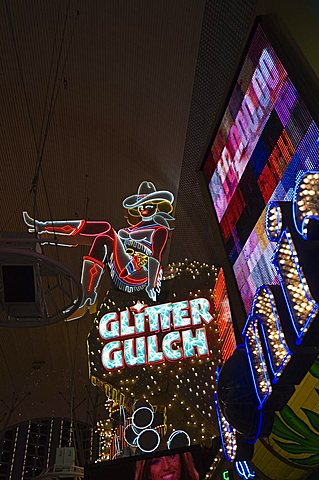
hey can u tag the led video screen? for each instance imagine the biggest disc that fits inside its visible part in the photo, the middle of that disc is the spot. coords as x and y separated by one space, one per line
181 464
267 136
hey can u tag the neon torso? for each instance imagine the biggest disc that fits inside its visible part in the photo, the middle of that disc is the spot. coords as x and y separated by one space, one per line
132 248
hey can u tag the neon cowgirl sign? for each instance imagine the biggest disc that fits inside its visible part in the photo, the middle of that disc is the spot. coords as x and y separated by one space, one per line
179 326
133 254
281 333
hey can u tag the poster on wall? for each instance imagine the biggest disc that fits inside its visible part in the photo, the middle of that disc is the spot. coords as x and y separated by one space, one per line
267 137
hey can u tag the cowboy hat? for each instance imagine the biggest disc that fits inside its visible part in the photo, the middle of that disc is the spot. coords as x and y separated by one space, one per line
147 193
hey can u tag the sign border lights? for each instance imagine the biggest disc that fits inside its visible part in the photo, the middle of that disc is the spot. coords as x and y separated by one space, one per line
181 326
301 306
270 344
264 323
256 157
299 293
273 221
227 433
304 200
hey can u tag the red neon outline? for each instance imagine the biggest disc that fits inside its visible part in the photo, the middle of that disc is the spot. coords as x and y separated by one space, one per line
79 228
66 229
117 349
93 260
78 231
161 228
195 346
180 350
189 318
119 268
137 310
93 272
116 319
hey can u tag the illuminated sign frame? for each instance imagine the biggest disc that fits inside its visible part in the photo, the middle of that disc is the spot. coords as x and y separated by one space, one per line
265 337
247 249
132 336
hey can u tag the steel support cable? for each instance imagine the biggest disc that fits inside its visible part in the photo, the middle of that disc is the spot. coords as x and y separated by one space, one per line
21 73
50 116
49 79
52 100
40 148
15 47
35 181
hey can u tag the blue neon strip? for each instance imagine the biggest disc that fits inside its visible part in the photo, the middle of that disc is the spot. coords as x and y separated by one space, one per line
258 429
299 329
230 430
275 370
252 368
269 207
301 228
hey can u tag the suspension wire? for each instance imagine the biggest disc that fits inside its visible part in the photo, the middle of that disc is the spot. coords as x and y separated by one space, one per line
49 120
40 170
15 47
7 222
52 103
35 180
40 148
49 77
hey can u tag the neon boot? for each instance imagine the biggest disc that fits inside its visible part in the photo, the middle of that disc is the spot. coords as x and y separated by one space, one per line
92 271
62 227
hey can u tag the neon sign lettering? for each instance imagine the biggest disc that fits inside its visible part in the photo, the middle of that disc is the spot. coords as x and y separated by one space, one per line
181 325
265 333
245 131
133 254
305 205
264 322
302 306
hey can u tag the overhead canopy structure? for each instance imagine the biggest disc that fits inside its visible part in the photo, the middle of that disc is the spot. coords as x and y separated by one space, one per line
96 98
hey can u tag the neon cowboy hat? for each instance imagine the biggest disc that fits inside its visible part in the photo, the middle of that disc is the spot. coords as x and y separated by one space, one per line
147 193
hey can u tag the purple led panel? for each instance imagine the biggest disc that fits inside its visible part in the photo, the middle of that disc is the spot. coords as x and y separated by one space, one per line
266 137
